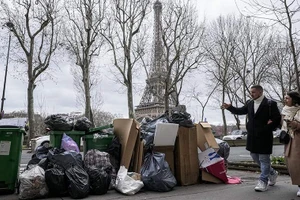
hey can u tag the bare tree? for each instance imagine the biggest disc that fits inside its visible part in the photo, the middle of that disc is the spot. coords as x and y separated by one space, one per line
220 47
281 77
102 118
124 26
203 98
239 52
83 41
95 79
251 58
34 24
182 35
283 13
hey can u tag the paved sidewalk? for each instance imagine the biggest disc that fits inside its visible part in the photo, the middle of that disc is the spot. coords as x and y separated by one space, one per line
244 191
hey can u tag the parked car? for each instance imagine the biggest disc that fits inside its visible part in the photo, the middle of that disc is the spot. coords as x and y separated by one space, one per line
236 135
39 141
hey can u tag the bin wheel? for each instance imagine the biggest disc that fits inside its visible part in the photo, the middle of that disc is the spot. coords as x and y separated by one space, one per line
18 183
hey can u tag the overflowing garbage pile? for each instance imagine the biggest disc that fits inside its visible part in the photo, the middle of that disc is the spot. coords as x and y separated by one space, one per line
58 172
124 156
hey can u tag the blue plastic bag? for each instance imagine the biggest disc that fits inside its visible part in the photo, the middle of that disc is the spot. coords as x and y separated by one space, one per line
67 143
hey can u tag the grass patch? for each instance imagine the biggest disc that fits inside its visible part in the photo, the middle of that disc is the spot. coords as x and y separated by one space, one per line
277 160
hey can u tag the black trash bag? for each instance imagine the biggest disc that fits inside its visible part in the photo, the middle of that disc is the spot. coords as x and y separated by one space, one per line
56 182
156 173
148 129
59 122
41 152
182 118
43 163
65 159
33 162
99 180
224 151
82 124
144 120
78 182
76 155
224 148
114 151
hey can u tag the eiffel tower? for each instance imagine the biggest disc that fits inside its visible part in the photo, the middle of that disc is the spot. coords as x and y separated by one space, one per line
152 101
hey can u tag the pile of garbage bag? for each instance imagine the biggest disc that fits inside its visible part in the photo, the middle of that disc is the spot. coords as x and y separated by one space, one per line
59 122
55 172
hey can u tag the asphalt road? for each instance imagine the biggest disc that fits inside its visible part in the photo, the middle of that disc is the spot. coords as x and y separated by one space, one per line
238 154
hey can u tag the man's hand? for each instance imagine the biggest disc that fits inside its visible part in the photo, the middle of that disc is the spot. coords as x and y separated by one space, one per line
225 106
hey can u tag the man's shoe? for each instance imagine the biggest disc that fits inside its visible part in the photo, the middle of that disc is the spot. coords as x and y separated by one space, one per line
272 179
261 186
298 193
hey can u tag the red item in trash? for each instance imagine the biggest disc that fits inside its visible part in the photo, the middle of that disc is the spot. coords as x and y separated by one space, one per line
218 170
234 180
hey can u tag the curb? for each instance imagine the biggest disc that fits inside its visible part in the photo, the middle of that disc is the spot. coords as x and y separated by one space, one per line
239 142
248 166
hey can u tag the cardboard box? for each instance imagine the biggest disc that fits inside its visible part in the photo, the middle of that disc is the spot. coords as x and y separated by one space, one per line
208 157
164 141
127 131
186 156
205 137
205 176
138 155
169 155
165 134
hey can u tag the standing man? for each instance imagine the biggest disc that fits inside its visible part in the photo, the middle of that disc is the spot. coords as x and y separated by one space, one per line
263 118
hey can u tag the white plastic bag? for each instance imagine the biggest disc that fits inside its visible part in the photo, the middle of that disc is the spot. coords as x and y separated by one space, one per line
33 184
127 185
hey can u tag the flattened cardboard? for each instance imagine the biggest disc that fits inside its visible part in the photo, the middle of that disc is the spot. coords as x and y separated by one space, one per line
205 176
208 157
186 157
138 155
205 137
169 155
127 131
165 134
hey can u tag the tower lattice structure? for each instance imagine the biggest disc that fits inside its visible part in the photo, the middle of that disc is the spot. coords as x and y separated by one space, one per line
152 101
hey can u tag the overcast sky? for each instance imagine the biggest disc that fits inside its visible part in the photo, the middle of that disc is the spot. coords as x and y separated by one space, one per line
59 96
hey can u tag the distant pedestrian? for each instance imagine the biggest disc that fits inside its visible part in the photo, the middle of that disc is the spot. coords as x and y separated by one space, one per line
291 124
263 118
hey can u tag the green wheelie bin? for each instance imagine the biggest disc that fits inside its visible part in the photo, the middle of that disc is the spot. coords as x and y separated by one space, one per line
99 141
11 141
56 137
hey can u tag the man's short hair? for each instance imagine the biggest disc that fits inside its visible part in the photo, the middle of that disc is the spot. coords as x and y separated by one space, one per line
258 87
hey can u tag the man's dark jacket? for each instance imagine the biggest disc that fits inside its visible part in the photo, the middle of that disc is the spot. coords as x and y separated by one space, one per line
260 133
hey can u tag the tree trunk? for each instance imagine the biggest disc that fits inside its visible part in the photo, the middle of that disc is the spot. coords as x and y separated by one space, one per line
166 97
223 113
130 102
86 83
30 110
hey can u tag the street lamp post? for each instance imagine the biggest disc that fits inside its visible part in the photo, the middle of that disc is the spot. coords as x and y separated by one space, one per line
10 26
